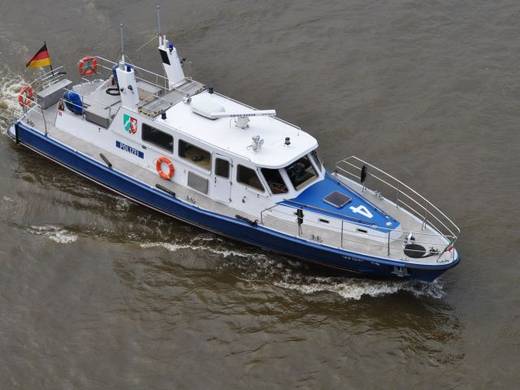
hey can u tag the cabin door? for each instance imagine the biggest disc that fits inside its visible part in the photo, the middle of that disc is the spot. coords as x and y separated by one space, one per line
222 180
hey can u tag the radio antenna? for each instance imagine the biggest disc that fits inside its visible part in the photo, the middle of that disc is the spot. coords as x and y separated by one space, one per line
158 11
158 33
121 26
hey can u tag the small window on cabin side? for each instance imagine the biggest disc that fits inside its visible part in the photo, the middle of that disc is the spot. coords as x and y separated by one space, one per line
249 177
274 181
222 168
157 137
317 161
195 155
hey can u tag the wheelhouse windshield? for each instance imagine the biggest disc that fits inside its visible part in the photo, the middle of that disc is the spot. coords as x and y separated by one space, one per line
301 172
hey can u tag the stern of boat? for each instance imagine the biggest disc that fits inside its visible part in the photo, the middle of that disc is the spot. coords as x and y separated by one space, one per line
11 132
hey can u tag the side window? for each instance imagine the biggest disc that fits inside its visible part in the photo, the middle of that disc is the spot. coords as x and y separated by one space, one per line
157 137
249 177
222 168
275 181
195 155
317 162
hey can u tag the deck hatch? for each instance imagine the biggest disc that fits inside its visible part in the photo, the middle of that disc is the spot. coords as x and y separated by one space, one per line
337 199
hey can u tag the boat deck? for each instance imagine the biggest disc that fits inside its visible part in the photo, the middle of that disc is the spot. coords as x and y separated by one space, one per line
273 218
160 103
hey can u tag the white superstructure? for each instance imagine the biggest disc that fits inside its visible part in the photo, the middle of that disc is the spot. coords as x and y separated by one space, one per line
224 135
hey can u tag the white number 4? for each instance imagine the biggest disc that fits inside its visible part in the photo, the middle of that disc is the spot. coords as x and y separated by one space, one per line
361 210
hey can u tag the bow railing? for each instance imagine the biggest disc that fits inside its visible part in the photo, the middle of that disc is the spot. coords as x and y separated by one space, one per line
400 194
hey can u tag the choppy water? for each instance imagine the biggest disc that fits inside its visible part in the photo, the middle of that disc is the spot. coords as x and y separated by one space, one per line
96 292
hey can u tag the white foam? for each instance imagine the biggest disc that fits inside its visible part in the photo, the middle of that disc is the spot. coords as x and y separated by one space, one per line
355 289
174 247
122 204
54 233
9 87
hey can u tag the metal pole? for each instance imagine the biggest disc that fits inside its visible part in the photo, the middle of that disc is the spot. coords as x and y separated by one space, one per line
52 69
388 241
342 233
426 212
44 121
121 26
158 10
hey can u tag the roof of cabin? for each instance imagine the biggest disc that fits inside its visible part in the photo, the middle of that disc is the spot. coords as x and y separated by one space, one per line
223 134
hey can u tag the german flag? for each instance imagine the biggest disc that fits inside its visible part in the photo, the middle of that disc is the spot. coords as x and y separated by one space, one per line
40 59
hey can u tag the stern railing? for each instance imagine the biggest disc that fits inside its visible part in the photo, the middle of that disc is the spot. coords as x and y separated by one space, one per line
48 78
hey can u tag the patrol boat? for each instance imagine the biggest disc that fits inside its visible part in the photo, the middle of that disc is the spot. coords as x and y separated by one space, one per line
181 148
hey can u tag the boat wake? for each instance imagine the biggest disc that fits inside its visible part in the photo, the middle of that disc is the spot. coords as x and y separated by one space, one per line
54 233
355 289
10 85
201 244
258 268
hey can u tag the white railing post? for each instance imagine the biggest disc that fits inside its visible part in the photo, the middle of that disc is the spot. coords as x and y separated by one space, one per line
388 243
341 238
44 120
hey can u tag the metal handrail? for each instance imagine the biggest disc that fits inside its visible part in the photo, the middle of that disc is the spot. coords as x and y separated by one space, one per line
35 107
384 229
146 71
47 78
387 179
421 237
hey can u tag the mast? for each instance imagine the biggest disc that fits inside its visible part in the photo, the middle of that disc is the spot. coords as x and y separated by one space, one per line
170 57
121 27
126 79
158 18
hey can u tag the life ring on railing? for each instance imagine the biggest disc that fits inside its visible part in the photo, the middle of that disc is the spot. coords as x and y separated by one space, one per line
161 161
87 66
25 96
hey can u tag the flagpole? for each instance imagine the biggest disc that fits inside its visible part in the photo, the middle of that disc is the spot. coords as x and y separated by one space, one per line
52 69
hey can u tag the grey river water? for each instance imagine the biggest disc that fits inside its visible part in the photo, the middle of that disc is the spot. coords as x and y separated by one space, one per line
99 293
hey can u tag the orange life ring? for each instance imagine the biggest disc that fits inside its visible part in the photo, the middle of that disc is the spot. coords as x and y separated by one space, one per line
25 96
87 66
159 168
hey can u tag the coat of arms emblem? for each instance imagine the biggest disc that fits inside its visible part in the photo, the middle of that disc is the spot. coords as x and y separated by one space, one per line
130 124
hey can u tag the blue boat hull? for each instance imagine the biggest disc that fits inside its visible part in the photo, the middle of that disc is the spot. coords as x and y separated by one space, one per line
240 230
